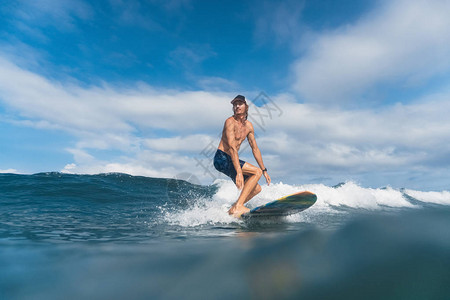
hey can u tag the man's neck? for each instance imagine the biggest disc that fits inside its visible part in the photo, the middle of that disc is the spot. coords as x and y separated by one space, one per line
240 118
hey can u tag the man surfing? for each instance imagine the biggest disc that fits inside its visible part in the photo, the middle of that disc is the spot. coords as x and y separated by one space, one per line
226 160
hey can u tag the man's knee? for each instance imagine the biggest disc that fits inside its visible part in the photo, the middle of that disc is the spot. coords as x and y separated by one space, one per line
258 172
252 170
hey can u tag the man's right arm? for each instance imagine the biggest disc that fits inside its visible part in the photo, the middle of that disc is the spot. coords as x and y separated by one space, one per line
231 141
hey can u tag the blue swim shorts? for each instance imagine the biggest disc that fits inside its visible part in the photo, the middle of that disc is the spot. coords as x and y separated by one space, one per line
224 164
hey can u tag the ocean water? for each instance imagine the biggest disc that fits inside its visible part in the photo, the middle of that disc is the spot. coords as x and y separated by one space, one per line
116 236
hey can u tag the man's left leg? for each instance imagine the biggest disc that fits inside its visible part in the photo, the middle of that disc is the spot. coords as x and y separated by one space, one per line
250 189
255 192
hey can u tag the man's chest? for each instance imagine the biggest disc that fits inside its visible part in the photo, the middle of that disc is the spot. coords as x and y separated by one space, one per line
240 132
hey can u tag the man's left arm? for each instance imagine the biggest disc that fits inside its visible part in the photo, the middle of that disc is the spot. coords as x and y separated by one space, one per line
257 153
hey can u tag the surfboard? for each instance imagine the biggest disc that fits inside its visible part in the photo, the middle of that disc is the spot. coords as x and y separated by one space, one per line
283 207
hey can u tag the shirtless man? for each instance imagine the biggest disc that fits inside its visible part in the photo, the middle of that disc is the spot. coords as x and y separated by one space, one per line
226 159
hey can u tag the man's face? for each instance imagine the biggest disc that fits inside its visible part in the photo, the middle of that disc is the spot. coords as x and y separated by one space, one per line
239 107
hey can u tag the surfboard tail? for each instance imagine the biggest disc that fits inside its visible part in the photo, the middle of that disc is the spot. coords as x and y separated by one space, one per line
284 206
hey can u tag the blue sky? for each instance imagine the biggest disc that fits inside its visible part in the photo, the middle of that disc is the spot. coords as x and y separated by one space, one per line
358 89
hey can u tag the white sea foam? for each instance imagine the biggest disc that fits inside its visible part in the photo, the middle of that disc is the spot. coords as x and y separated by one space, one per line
205 211
330 200
430 197
352 195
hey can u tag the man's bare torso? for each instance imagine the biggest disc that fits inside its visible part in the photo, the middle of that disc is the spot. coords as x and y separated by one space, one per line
240 130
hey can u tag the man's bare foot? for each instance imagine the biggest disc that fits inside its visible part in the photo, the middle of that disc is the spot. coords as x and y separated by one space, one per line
238 211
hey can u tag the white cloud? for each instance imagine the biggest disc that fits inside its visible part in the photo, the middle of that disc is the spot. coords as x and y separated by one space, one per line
191 56
104 109
145 162
80 156
131 13
161 133
310 141
13 171
402 43
217 84
128 121
60 14
189 143
277 21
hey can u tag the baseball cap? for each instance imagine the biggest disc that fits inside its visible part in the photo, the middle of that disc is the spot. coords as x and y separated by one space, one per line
239 98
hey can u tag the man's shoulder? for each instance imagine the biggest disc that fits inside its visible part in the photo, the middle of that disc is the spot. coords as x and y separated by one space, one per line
229 121
249 125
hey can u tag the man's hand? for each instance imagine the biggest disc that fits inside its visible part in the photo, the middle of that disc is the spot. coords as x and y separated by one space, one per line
239 181
267 177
